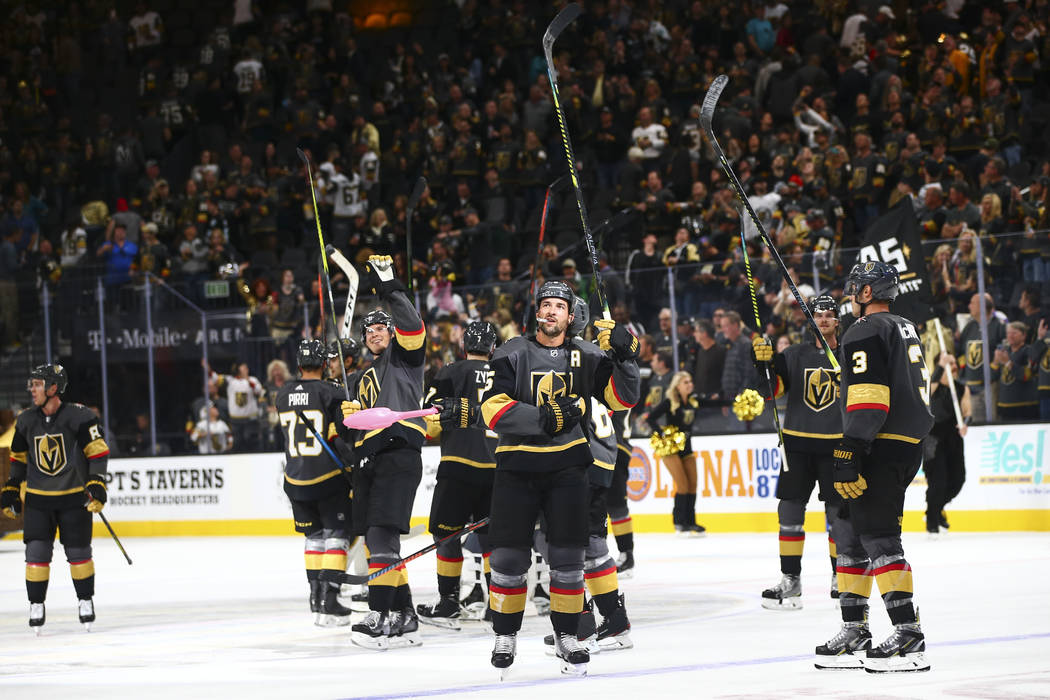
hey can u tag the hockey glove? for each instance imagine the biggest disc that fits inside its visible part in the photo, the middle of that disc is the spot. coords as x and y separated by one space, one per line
349 408
560 414
96 491
612 336
846 468
761 351
381 275
10 499
457 413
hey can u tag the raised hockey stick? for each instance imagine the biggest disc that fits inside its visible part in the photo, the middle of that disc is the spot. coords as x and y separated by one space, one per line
324 264
382 417
356 579
758 329
707 111
539 249
556 27
410 209
353 280
959 422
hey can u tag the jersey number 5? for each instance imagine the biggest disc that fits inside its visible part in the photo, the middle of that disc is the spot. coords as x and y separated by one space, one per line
310 447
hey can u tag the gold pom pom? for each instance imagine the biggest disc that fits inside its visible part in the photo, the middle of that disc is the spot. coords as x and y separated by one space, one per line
667 441
748 405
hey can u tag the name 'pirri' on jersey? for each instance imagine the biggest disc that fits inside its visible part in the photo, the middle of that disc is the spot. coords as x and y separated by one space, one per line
468 454
309 472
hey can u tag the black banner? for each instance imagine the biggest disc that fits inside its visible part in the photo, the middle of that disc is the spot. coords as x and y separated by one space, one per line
894 238
176 336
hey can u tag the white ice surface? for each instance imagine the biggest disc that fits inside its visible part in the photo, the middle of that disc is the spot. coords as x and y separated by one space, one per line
228 618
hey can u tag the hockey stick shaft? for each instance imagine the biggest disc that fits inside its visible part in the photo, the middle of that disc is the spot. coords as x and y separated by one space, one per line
327 448
114 536
355 579
758 329
410 209
557 25
351 293
707 111
324 264
959 422
539 251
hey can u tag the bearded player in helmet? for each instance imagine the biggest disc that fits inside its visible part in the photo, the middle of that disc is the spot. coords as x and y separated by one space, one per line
875 460
812 427
59 454
535 408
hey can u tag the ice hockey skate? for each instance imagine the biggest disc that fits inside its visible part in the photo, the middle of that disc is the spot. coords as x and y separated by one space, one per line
572 655
904 651
404 629
586 632
473 606
846 649
834 586
614 632
373 632
786 595
86 610
625 565
444 613
503 653
37 617
332 612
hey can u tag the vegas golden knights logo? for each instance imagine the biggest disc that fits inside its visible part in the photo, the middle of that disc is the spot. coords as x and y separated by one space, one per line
241 399
368 388
1006 376
548 385
50 453
821 389
974 354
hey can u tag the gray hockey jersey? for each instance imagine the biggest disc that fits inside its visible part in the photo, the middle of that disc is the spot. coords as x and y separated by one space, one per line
813 421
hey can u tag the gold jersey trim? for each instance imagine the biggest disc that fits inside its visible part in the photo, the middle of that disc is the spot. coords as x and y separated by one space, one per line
868 393
96 448
468 462
311 482
604 465
373 433
536 448
818 436
895 436
44 492
19 457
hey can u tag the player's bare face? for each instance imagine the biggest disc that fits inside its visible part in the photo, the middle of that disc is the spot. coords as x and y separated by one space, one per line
38 392
552 317
826 322
377 338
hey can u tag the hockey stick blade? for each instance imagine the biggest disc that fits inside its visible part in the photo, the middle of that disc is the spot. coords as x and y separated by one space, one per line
707 109
353 280
417 193
340 577
302 155
559 23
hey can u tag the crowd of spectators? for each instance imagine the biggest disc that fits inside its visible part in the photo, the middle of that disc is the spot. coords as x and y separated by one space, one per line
162 138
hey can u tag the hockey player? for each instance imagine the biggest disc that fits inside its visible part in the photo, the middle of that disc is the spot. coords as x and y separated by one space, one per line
542 460
616 497
391 464
599 569
351 352
318 491
59 453
812 426
463 492
876 459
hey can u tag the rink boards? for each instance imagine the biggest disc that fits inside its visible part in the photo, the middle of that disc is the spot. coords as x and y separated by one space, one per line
1008 470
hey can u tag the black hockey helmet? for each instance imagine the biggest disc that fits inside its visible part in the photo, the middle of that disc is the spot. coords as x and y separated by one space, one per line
824 302
311 354
480 338
557 290
376 316
883 279
581 316
350 348
50 374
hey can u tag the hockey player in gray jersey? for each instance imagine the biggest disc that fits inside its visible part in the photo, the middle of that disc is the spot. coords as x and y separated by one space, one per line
542 461
885 393
59 454
391 464
812 427
318 491
463 492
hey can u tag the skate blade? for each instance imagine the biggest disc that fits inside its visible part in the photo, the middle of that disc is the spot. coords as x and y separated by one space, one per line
38 631
324 620
909 663
591 645
368 642
570 669
623 575
408 639
842 662
474 611
447 623
503 674
616 642
792 603
87 626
